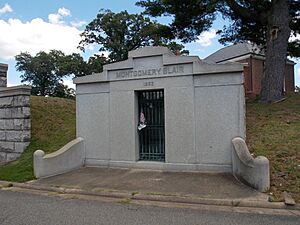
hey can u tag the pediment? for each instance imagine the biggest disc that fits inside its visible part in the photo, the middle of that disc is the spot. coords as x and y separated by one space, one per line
155 62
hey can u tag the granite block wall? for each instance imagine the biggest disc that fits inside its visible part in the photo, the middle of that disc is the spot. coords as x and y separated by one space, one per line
3 74
15 122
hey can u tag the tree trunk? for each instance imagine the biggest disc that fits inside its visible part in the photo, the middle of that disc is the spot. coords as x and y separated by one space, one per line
278 33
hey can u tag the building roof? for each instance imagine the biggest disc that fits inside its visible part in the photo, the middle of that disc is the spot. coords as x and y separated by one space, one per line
143 61
234 51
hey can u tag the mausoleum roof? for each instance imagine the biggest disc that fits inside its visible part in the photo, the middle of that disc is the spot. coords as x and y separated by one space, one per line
154 62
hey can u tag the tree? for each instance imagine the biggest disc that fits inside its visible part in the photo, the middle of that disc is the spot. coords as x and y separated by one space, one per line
45 71
265 22
95 63
119 33
63 91
177 49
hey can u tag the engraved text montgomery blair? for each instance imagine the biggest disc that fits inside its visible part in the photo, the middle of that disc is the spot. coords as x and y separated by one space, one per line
150 72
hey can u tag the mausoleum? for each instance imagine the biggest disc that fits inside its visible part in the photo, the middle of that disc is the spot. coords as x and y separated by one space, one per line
192 110
155 110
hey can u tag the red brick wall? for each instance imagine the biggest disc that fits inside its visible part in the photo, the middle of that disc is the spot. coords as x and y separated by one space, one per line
257 73
253 75
247 76
289 78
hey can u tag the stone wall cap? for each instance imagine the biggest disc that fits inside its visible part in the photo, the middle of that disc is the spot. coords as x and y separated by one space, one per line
15 90
93 78
3 69
3 65
149 51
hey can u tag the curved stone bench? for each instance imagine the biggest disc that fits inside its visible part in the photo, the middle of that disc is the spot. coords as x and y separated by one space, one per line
254 172
69 157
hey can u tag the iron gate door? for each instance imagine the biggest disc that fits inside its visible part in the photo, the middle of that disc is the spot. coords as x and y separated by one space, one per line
152 137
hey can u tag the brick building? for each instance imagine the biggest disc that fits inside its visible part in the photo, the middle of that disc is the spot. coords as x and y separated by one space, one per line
253 58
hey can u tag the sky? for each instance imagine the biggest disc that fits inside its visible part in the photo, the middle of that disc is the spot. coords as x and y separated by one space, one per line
42 25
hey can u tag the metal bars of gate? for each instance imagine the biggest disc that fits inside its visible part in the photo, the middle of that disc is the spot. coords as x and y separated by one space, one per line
152 137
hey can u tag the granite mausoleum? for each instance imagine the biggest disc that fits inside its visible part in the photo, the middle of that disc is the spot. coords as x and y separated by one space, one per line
15 123
156 110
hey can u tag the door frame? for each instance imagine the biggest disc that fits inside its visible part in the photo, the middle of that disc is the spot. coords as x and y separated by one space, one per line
156 132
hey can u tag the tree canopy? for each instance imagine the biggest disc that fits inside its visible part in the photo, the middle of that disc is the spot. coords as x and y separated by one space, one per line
119 33
268 23
45 71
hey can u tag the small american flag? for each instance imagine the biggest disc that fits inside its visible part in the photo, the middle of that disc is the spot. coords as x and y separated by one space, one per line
142 117
142 122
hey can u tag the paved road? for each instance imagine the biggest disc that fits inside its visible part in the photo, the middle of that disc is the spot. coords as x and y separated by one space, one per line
18 208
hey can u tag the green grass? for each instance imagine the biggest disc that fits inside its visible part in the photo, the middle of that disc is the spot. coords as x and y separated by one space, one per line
273 130
53 125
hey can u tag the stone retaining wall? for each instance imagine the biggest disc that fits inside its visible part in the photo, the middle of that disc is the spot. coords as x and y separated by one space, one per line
3 74
15 122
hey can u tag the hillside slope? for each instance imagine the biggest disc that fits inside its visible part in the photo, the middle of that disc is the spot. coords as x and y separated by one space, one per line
53 125
273 130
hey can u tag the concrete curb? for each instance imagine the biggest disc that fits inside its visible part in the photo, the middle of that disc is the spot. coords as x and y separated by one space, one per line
157 198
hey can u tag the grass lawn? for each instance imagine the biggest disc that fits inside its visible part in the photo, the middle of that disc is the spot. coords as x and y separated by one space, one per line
273 130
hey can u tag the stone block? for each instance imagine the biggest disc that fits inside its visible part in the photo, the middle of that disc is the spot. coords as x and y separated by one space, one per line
2 124
5 113
16 112
26 135
6 124
18 124
21 146
2 135
7 146
21 100
9 124
12 156
3 81
6 101
20 112
14 135
15 124
26 112
3 157
26 124
2 113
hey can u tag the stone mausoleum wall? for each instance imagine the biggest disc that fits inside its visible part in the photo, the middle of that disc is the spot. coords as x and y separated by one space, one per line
15 121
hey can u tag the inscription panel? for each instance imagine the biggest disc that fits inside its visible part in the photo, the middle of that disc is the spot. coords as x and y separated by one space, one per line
148 84
151 72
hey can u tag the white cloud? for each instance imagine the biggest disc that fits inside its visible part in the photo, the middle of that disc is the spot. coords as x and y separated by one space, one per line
64 12
5 9
36 35
205 39
69 83
78 23
56 18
